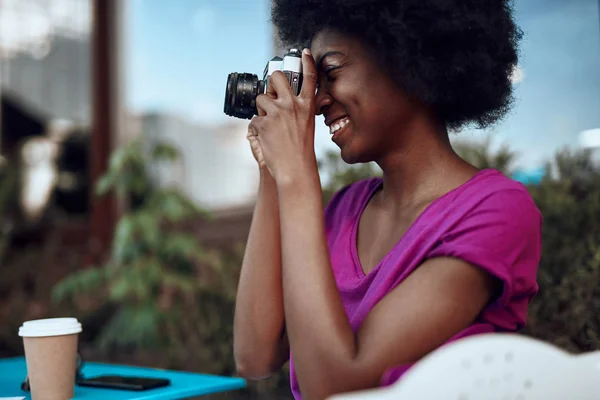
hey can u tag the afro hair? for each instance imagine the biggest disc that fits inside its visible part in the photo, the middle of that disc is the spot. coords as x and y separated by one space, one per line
455 56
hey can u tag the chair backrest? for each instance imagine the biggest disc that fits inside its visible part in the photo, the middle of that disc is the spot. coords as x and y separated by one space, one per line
495 367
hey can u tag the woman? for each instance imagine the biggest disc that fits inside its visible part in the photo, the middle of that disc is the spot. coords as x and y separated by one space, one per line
394 267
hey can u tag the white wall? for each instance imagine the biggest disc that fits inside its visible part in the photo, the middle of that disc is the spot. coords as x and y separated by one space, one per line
218 169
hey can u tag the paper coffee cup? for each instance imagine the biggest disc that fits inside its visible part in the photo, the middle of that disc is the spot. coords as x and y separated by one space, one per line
51 356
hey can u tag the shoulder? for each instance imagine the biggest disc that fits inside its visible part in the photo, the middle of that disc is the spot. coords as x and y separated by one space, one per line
492 216
492 222
492 190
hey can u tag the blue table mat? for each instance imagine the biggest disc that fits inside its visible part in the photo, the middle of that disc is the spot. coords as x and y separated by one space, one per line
183 384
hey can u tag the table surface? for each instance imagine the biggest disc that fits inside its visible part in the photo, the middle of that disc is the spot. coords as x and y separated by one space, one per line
183 384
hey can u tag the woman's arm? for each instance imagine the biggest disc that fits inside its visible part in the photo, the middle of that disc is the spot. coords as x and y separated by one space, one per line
442 297
260 343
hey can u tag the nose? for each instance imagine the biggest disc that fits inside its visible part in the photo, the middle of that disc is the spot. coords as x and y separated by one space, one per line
322 101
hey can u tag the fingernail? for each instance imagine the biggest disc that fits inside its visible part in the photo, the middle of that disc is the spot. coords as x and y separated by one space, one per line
306 51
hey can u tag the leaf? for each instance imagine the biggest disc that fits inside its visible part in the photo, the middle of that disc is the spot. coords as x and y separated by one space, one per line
84 281
211 259
174 205
105 184
179 244
123 239
132 326
480 155
166 152
341 174
126 173
119 157
138 184
153 271
135 234
180 282
120 289
148 226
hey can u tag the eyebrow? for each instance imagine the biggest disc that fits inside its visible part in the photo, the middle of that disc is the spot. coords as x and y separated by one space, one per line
328 54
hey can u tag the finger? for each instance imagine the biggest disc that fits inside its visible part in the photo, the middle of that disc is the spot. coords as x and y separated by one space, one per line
252 131
279 86
309 76
256 127
254 143
252 128
265 104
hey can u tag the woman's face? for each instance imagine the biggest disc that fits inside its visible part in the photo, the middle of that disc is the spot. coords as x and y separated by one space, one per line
367 113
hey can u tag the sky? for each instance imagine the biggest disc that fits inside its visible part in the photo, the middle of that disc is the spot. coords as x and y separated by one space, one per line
180 52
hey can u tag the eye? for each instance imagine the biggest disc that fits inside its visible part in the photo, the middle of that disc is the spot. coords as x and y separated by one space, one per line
329 71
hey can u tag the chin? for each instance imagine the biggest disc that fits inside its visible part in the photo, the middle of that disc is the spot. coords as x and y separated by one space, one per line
355 150
353 157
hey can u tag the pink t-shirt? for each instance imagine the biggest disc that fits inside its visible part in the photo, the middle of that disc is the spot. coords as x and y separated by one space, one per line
490 221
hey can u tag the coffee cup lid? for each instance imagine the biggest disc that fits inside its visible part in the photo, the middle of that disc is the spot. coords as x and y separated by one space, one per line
50 327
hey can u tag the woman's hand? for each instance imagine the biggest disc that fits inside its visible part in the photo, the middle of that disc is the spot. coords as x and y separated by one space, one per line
256 150
283 133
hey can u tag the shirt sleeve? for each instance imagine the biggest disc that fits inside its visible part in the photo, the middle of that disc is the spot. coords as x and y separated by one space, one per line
501 234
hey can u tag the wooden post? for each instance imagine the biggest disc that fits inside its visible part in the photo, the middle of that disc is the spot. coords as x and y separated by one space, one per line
104 116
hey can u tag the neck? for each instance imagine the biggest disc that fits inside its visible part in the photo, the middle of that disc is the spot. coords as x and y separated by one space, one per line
422 168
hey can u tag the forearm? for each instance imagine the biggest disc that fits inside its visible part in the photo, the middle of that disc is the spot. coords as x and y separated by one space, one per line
322 342
259 319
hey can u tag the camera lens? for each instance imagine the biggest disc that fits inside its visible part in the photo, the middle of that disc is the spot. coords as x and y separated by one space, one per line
240 95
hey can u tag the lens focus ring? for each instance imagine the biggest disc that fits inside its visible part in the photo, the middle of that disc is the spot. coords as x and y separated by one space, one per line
240 96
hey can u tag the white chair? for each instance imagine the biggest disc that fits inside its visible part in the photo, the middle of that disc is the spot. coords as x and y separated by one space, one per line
495 367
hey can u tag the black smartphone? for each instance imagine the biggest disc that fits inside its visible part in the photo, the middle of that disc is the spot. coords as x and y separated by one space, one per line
136 383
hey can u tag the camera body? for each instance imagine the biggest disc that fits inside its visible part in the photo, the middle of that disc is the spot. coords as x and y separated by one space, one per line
243 88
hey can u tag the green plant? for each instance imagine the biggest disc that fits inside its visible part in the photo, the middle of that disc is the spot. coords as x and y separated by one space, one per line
340 174
480 154
566 310
155 270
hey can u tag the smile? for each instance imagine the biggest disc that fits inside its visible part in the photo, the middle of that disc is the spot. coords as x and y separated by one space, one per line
333 128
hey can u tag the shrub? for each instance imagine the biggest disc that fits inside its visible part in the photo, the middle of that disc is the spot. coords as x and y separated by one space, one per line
155 271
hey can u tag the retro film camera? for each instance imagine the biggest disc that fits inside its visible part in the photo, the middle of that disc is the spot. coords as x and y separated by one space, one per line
242 88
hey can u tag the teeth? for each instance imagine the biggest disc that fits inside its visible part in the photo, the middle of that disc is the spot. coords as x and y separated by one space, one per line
338 125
